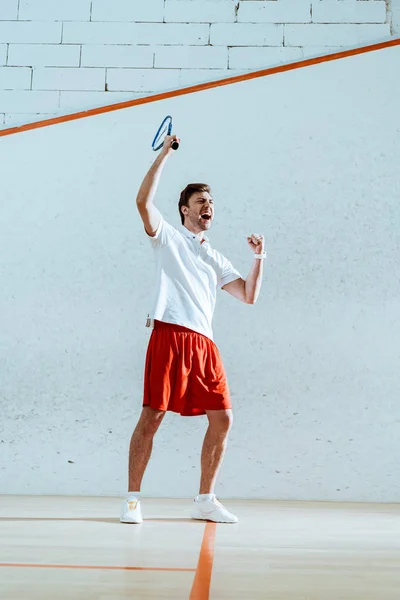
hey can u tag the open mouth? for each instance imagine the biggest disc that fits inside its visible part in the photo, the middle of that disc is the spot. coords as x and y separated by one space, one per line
206 217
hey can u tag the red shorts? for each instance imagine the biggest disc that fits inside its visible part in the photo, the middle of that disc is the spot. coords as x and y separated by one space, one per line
184 372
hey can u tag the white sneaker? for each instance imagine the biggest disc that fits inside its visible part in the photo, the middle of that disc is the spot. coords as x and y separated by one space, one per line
211 510
131 512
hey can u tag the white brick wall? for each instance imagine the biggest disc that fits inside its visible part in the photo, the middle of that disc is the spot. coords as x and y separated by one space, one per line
393 16
68 79
40 55
135 33
282 11
148 11
335 35
396 21
8 10
70 55
348 11
15 78
29 102
27 32
70 100
246 34
200 11
3 54
142 80
257 58
191 57
54 10
191 77
117 56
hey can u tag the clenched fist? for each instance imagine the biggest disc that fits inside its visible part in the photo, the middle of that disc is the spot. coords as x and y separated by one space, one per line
256 243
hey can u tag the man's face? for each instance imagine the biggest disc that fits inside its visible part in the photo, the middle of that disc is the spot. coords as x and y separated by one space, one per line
200 211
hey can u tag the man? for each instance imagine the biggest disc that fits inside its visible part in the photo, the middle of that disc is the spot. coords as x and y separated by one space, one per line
184 371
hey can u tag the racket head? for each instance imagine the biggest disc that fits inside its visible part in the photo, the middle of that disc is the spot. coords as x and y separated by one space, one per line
164 129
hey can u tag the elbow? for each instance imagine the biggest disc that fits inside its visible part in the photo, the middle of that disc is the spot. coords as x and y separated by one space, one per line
252 299
142 198
141 204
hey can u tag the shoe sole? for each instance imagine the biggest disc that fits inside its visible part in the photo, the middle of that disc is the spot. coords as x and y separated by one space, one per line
131 522
212 521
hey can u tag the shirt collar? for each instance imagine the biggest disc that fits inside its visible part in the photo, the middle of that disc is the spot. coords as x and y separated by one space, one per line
190 234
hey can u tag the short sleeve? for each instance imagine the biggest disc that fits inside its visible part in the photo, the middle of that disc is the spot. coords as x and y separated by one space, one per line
164 234
228 274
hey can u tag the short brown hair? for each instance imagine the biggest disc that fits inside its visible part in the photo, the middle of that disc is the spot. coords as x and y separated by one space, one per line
187 192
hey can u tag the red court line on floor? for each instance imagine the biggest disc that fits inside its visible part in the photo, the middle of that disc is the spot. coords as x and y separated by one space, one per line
202 579
105 567
203 86
93 519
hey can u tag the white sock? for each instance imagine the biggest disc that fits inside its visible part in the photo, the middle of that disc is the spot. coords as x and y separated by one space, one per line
132 496
202 497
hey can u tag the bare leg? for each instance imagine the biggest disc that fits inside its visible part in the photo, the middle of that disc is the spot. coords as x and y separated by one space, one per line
214 446
141 445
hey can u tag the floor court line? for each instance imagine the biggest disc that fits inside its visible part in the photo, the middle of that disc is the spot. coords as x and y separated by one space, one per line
202 580
101 567
102 520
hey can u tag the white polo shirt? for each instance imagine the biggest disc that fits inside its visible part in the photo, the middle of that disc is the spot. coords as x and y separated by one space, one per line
188 274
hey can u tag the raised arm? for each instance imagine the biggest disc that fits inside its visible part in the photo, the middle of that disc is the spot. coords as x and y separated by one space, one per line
149 213
247 290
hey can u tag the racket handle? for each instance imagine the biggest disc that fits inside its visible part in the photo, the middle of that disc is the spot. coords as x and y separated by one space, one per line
175 145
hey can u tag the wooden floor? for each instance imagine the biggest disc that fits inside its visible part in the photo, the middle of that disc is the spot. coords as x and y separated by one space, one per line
76 548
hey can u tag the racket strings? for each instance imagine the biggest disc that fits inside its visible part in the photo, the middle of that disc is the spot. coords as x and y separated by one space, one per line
164 129
162 134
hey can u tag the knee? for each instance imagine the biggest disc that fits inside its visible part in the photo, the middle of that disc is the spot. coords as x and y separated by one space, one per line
150 424
222 423
228 422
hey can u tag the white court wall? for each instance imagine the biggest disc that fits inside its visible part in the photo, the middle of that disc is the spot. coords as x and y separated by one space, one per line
71 55
310 158
394 17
